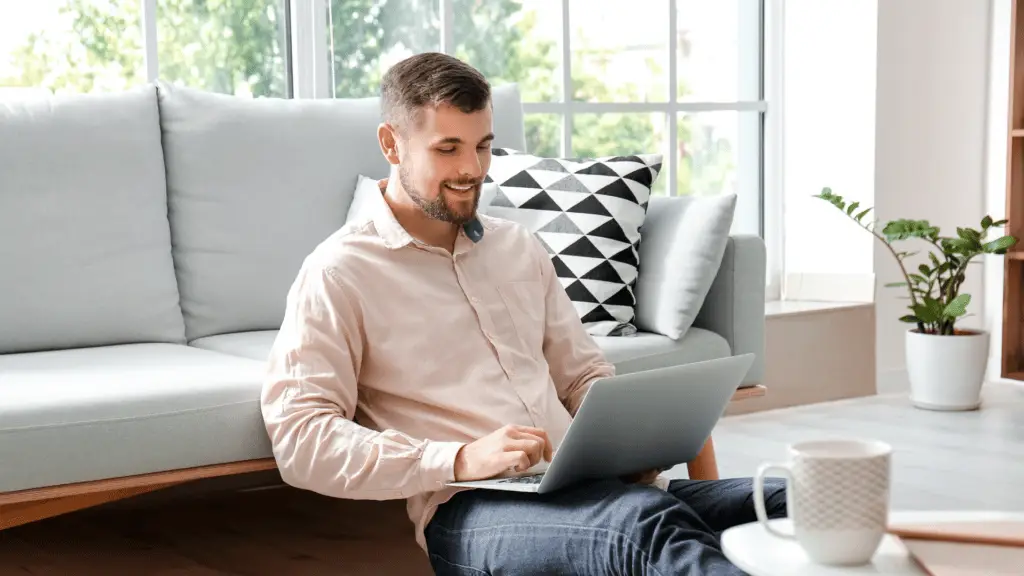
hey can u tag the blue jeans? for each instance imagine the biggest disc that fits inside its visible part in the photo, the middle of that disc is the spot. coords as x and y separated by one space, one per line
593 529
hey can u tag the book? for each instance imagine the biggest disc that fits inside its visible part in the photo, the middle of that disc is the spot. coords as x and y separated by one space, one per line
992 532
993 547
943 558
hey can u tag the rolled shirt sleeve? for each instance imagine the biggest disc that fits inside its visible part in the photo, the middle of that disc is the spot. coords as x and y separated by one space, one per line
309 401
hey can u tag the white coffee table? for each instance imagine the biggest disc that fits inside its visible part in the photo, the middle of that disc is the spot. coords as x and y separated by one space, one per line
754 550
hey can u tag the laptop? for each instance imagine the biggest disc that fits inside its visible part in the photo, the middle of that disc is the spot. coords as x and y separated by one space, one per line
633 422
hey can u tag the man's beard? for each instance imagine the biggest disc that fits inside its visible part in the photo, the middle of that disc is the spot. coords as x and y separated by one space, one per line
438 208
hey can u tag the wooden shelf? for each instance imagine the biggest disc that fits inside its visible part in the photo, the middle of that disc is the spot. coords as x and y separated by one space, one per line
1012 361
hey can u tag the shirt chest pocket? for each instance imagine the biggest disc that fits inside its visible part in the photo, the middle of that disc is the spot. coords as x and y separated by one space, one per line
524 303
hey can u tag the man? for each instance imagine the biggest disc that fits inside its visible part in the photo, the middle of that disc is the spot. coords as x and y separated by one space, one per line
448 337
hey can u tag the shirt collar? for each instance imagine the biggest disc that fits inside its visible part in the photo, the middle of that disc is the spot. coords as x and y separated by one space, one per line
395 235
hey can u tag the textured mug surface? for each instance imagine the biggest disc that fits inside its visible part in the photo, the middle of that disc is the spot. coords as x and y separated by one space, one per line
838 498
835 493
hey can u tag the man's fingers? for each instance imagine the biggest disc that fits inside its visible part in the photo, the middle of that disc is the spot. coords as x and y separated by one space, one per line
530 445
647 477
515 459
541 443
548 449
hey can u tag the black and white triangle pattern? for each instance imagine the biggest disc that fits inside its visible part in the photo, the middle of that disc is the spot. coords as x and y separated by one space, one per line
588 213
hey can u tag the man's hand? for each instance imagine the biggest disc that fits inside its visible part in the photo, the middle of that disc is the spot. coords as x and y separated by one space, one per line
511 446
647 477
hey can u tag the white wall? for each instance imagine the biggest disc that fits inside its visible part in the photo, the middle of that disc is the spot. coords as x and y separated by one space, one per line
930 138
995 169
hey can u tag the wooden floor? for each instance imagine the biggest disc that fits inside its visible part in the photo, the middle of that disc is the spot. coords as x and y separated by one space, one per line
949 460
279 532
969 460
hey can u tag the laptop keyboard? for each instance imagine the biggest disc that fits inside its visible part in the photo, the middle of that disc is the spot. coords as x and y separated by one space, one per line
535 479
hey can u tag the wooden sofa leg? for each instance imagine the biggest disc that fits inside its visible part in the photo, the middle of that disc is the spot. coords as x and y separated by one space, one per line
704 466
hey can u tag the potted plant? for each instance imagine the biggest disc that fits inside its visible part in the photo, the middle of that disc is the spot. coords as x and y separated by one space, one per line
945 363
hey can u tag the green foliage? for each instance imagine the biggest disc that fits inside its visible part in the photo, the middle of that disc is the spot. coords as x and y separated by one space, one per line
936 302
239 47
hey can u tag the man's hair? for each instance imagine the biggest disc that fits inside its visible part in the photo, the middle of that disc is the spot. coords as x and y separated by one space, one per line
431 79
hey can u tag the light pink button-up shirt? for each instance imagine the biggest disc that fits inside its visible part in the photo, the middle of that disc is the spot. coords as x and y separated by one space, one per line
427 350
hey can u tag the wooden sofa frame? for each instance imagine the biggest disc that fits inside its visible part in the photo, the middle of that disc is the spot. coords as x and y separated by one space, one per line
24 506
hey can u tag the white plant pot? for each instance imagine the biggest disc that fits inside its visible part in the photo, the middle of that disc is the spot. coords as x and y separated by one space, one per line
946 372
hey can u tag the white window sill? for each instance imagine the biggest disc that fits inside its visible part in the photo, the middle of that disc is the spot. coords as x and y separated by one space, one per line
780 308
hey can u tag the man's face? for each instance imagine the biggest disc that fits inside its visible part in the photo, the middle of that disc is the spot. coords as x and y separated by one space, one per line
444 157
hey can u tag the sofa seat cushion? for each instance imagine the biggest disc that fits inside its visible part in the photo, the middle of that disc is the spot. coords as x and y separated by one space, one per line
255 344
695 346
93 413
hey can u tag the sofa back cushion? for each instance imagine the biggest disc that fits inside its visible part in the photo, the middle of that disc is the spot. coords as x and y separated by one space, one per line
85 247
255 184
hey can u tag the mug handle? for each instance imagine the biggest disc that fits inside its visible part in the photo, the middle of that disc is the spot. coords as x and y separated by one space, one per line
759 507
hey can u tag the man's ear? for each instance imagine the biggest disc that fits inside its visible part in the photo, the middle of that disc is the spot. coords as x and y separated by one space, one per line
388 139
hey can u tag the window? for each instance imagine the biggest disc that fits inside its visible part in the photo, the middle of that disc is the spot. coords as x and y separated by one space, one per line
234 47
368 36
828 65
71 46
680 77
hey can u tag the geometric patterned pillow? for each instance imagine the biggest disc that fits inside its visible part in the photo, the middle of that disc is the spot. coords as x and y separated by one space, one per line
587 212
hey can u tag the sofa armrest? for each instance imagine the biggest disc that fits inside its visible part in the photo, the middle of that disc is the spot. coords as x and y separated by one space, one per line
734 307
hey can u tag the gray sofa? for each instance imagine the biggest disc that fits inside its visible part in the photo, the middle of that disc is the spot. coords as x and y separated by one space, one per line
147 242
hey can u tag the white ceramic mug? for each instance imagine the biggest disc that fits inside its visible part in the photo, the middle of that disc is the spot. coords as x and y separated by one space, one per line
838 498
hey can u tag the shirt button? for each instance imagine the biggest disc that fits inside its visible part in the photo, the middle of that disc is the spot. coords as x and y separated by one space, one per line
474 300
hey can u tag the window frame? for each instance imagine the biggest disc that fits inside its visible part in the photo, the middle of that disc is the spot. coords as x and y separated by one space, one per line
312 82
310 76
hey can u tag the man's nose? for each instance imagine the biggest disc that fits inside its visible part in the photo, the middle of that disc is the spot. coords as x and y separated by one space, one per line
470 167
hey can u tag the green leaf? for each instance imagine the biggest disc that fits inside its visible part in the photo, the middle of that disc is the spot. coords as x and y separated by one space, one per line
957 307
999 222
903 229
918 278
986 221
853 206
999 244
895 284
910 318
862 213
925 270
957 245
968 234
926 313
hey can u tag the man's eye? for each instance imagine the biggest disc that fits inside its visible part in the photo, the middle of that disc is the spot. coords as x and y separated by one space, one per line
484 148
446 150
